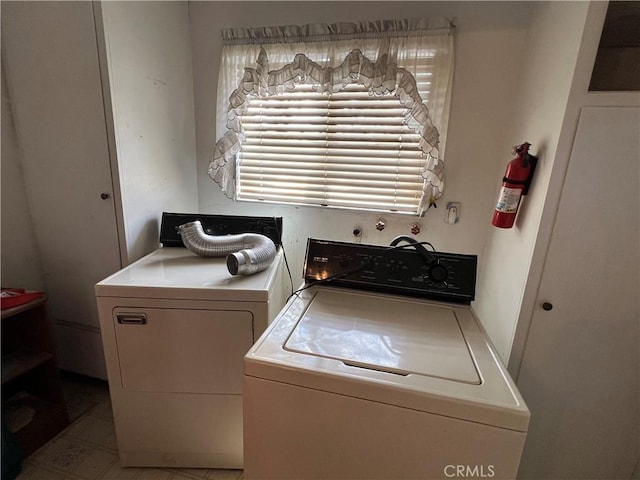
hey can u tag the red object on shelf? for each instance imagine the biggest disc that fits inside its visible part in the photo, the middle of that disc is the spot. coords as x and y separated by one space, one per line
14 297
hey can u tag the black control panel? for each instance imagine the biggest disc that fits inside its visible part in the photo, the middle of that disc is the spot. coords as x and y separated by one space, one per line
219 225
401 269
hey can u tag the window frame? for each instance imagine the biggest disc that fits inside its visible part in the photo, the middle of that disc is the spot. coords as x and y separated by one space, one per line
261 83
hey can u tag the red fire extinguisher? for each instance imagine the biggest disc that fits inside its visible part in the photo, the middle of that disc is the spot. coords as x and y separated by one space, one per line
515 184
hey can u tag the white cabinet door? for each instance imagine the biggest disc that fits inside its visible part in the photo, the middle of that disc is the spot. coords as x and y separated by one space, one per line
579 374
50 54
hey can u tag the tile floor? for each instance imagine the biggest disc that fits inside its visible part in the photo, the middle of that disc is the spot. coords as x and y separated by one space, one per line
87 449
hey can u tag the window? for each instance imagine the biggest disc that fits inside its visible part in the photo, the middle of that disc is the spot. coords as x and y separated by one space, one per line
345 121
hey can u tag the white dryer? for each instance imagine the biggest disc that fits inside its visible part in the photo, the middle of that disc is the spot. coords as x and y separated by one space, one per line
175 329
350 383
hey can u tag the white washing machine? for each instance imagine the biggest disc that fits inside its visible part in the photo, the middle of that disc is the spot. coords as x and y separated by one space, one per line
366 376
175 329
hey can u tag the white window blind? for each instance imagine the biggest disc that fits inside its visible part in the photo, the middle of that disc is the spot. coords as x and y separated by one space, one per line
346 135
347 149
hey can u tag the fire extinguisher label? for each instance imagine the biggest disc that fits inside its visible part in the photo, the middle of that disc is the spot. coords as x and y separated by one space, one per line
508 200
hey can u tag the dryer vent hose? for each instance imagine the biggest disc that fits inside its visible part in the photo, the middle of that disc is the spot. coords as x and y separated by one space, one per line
247 253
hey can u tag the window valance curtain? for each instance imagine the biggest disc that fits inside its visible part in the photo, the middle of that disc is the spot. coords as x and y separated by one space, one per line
410 59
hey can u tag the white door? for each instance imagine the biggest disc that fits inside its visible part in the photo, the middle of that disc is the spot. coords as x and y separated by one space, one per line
579 374
182 350
51 59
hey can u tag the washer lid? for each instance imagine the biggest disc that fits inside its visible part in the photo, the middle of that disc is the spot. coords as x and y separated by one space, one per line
385 334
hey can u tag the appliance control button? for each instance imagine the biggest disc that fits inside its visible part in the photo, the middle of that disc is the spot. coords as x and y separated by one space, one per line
438 273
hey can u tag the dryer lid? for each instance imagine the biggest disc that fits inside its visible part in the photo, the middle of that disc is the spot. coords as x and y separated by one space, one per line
178 274
386 334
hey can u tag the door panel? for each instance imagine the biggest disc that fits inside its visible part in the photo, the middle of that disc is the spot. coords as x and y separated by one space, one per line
187 351
51 60
579 374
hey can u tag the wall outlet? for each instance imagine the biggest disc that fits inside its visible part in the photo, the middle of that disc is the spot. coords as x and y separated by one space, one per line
452 212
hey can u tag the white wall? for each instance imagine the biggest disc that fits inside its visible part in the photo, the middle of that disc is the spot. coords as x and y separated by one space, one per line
489 47
148 54
537 117
21 264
